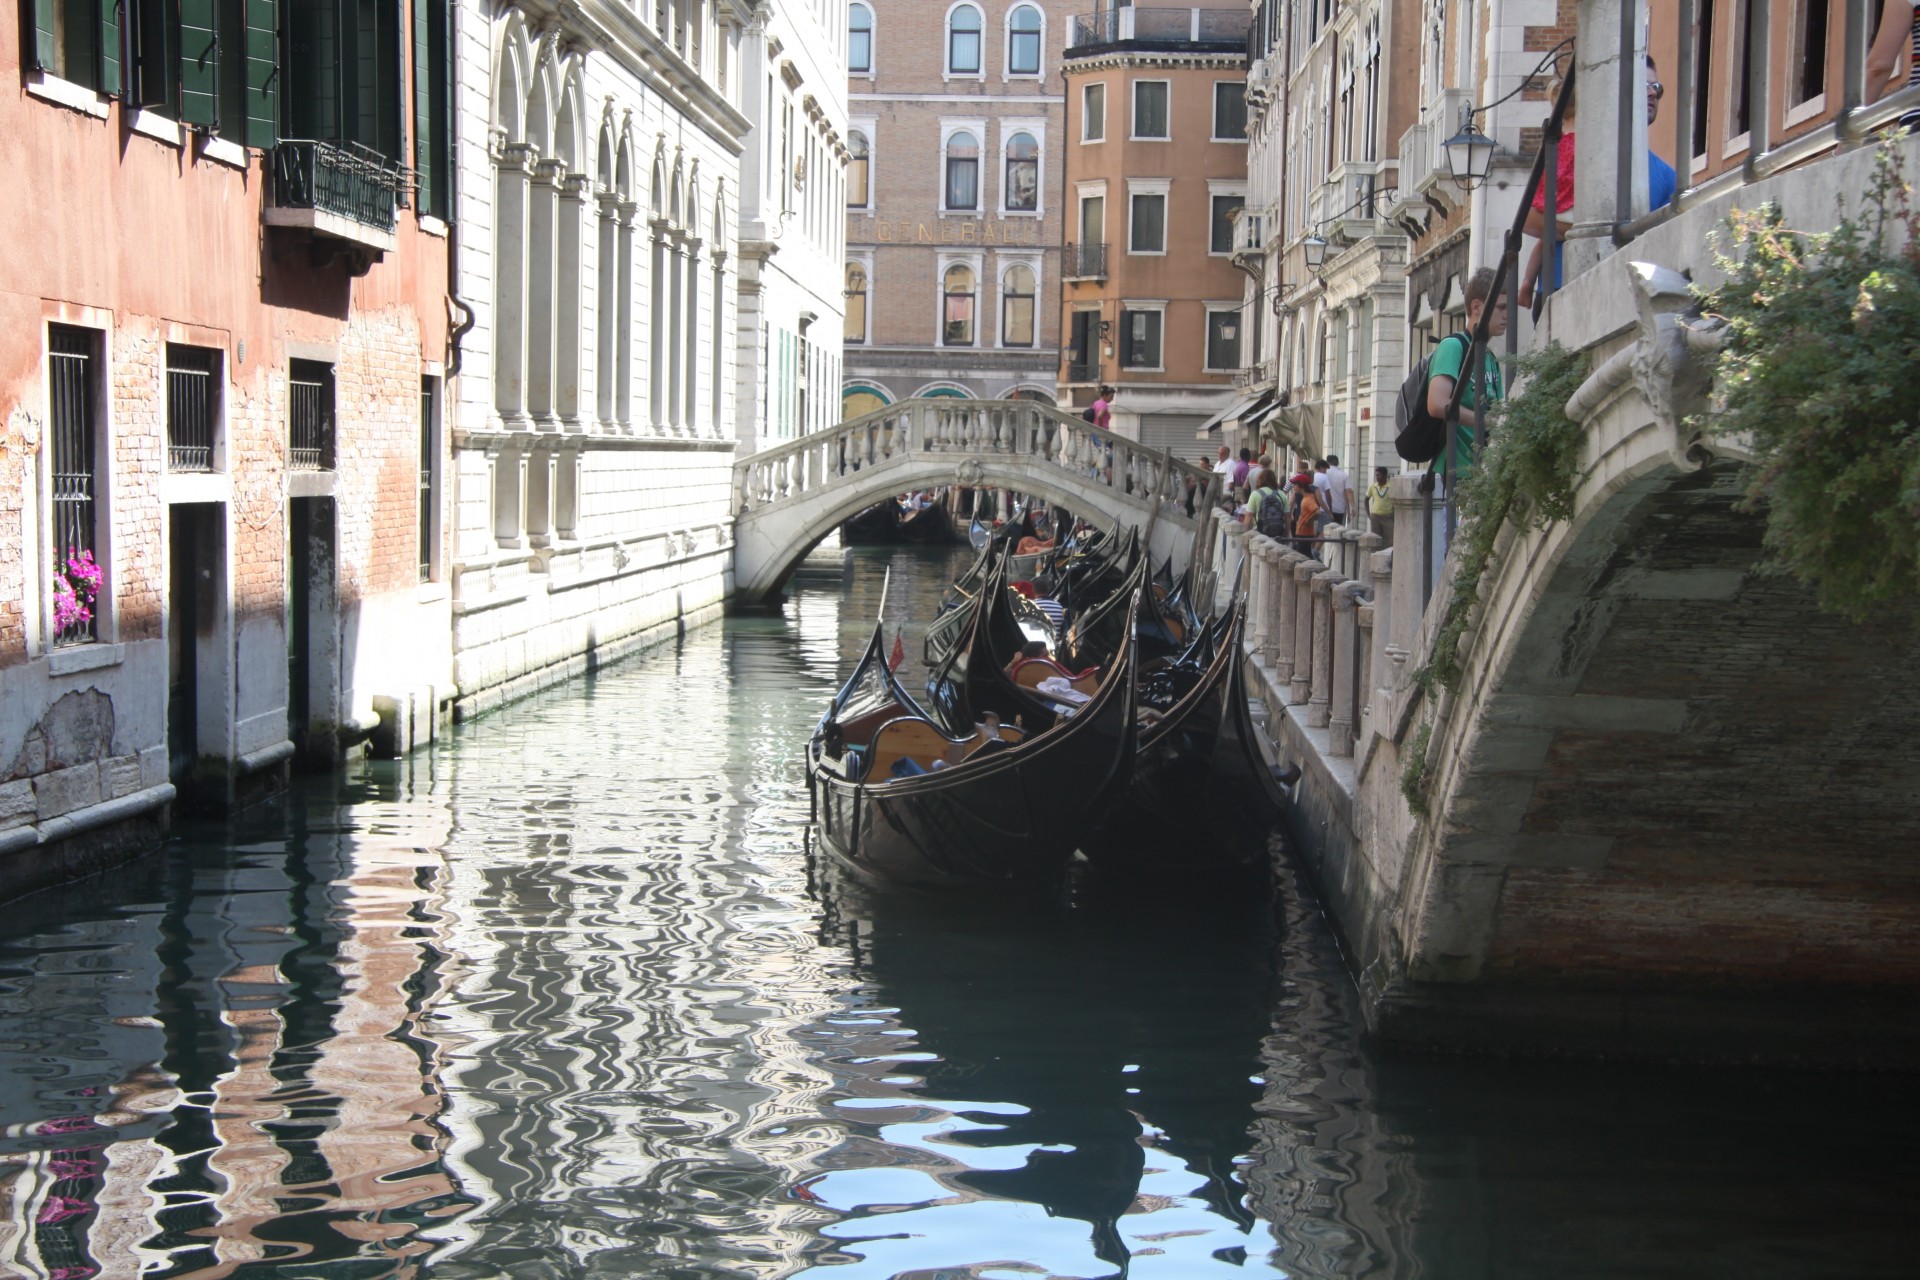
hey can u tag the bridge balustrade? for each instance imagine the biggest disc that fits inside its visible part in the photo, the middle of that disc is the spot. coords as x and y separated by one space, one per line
1314 618
1025 430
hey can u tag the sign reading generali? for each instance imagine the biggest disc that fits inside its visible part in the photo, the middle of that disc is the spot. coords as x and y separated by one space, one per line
1021 231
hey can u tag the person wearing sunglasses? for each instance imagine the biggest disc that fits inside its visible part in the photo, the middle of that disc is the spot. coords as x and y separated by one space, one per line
1662 183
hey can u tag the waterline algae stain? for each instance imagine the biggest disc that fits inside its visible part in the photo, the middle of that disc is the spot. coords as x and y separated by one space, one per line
568 998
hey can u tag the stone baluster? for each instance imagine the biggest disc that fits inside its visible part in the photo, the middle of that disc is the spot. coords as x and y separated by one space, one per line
1384 670
1320 686
1363 616
1412 533
1368 543
1280 632
1343 709
1300 680
1258 568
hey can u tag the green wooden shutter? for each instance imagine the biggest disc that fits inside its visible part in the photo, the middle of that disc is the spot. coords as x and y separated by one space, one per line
199 63
262 66
423 73
110 46
44 53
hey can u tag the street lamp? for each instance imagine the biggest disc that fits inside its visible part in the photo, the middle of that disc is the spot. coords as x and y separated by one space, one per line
1469 152
1315 247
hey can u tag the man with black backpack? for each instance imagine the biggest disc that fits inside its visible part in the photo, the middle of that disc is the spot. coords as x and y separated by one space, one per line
1267 508
1420 417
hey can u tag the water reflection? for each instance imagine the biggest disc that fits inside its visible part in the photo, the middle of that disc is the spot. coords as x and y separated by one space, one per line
562 1000
1068 1091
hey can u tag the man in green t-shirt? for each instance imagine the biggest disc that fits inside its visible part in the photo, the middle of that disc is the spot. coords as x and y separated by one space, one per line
1443 370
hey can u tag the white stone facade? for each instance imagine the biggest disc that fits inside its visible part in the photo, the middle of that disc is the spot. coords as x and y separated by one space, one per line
793 196
600 162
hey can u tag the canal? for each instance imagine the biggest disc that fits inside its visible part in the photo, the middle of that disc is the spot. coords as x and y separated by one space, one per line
564 998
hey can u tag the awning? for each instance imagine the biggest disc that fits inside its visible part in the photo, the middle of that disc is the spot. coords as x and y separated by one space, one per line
1237 412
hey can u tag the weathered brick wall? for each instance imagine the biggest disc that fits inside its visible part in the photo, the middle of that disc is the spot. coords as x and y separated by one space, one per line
137 421
377 382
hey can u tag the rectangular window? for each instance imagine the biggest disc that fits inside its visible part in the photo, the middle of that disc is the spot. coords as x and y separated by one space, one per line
432 154
1223 339
342 72
1220 237
1147 223
1702 77
1363 343
1150 109
1809 56
73 405
77 40
1016 320
1341 346
1738 123
193 406
1140 339
310 417
1230 110
153 55
1093 113
1093 220
429 474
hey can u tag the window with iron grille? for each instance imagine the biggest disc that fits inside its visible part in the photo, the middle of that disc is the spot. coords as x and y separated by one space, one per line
429 458
73 404
193 406
310 421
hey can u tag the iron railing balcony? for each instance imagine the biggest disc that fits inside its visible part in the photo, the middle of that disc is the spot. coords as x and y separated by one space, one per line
1082 370
338 191
1168 29
1084 262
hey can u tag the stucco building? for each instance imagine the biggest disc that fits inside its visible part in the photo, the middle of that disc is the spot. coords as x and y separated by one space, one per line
953 199
1155 177
227 325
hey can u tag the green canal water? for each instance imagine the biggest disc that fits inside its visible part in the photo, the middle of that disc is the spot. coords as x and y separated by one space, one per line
565 998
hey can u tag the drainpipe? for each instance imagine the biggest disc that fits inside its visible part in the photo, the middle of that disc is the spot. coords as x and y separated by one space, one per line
465 326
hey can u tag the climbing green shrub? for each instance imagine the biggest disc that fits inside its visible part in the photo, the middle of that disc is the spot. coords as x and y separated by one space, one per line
1413 775
1531 467
1821 372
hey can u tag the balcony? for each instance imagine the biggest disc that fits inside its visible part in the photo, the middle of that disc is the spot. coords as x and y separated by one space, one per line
1079 370
343 194
1171 30
1423 155
1083 262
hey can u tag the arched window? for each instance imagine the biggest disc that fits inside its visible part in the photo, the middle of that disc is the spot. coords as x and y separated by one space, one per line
956 313
1022 192
1023 41
859 40
856 327
1016 307
857 170
963 41
963 172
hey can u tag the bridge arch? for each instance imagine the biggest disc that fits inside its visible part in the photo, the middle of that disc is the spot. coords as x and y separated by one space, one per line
790 497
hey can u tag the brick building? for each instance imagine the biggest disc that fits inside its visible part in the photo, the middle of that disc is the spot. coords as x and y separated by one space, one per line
226 319
1156 174
954 203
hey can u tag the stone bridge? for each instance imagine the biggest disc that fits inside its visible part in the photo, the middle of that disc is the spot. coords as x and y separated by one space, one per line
1671 809
789 497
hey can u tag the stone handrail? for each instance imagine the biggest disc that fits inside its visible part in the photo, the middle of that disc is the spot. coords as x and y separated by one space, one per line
949 426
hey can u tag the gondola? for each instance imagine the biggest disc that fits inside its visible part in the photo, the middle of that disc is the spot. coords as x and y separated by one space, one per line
1001 814
929 524
973 678
878 525
1201 800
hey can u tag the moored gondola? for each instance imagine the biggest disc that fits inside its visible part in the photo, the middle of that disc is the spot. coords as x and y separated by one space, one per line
1201 800
978 812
